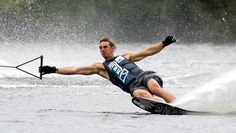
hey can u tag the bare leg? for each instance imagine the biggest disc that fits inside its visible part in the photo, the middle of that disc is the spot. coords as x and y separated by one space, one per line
155 89
147 95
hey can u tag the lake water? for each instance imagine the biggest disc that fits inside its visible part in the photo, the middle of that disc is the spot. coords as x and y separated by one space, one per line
201 76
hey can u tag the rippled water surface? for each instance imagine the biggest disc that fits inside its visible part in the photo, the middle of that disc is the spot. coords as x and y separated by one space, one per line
202 76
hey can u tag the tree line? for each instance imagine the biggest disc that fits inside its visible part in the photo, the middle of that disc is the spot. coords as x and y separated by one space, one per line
123 20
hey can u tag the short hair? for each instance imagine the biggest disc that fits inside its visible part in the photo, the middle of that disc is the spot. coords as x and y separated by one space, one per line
110 42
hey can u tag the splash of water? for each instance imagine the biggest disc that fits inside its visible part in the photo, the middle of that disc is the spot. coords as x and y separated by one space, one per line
3 70
12 72
216 96
2 62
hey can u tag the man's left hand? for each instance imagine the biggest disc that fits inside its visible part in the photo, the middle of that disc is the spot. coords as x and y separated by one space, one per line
168 41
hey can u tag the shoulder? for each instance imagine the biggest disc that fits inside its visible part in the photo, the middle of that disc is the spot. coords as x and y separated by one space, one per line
128 55
101 70
98 65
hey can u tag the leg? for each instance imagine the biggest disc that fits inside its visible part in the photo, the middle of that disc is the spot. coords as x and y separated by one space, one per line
146 94
156 89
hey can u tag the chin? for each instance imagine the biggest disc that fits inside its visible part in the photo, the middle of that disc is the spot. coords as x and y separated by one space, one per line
104 56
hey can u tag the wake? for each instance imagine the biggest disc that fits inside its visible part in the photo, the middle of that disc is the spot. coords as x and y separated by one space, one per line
217 96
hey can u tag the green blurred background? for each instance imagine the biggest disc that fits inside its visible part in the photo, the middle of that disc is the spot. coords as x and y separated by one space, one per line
191 21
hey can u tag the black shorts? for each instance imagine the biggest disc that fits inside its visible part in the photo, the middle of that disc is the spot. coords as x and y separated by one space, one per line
142 80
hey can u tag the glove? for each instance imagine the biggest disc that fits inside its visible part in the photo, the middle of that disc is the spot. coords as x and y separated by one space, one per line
47 69
168 40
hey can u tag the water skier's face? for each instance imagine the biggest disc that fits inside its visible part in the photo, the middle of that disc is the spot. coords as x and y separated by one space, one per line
106 50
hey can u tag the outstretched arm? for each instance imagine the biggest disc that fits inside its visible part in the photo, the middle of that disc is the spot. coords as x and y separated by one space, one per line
83 70
153 49
96 68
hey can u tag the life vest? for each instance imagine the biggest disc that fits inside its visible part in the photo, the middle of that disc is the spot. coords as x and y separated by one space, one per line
121 71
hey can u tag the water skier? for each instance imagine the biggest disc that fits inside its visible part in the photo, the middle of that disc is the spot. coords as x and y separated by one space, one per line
123 72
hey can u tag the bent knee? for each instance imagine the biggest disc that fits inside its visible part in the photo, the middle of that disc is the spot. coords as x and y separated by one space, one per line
153 84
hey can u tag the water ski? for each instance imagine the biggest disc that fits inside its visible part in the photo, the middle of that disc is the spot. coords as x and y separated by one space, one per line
160 108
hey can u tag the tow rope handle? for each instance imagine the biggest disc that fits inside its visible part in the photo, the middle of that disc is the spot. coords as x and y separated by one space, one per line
18 67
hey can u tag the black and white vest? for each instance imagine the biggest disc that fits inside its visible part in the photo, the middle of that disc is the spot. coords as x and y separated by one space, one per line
122 72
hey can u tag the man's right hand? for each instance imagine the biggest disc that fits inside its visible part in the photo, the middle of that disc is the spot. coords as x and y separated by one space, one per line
47 69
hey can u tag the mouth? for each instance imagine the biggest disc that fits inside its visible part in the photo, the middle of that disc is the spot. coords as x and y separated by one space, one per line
103 54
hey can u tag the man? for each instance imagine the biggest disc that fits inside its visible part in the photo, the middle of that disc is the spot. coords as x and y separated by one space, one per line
123 72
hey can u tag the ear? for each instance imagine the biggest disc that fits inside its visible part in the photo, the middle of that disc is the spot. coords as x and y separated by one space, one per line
113 49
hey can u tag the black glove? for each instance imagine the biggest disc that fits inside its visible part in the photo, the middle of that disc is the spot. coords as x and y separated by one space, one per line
47 69
168 40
